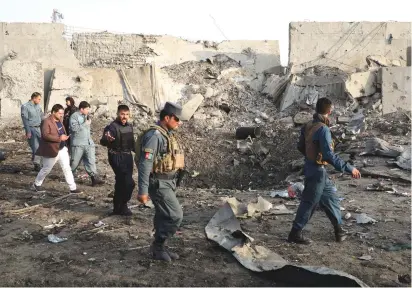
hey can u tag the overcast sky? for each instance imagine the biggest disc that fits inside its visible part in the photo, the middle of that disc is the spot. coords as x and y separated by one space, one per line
204 19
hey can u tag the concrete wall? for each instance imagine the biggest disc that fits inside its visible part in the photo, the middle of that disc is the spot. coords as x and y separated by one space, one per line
346 44
396 89
37 42
28 54
111 50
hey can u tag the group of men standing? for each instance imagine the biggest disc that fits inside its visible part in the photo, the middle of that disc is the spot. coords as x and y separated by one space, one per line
159 158
52 140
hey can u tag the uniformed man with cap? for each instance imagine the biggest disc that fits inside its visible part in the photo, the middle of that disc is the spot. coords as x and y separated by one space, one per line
119 139
159 162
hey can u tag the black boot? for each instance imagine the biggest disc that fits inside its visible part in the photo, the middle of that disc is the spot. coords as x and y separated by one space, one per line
116 209
125 211
159 252
295 236
96 181
340 234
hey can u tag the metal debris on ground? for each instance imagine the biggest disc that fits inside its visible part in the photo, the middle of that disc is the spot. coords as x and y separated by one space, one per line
364 219
224 228
55 239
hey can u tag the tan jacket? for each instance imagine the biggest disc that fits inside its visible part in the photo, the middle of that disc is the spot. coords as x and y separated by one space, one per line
50 139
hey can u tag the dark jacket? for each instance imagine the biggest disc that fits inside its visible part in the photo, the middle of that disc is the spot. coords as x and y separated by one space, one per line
66 118
50 139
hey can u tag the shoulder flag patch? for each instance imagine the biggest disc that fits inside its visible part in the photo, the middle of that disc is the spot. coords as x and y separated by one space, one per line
148 155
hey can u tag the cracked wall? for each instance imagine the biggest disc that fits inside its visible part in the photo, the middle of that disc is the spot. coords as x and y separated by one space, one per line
131 50
346 45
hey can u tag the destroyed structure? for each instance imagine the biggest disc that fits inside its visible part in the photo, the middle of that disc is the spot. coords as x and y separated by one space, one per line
363 67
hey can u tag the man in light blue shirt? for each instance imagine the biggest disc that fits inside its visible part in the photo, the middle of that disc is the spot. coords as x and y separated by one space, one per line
81 143
32 115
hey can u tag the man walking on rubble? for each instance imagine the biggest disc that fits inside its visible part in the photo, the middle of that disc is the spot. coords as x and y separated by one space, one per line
159 159
53 148
70 109
316 144
82 145
31 115
119 139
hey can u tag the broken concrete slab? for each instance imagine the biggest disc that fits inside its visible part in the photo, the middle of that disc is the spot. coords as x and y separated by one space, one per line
190 107
384 173
396 89
379 147
224 228
361 84
275 85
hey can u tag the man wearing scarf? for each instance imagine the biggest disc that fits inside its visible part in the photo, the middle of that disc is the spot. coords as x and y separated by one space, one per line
316 144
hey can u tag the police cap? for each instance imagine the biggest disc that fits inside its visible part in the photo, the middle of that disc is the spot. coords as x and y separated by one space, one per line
173 108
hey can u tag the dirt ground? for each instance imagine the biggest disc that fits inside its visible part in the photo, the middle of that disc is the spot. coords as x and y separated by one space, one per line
117 254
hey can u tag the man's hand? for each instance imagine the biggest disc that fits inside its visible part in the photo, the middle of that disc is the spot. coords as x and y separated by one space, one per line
143 198
64 137
28 135
356 174
109 137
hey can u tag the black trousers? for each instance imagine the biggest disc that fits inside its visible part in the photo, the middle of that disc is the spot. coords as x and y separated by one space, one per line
122 165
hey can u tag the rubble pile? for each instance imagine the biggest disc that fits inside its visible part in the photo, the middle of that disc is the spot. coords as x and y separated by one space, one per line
225 100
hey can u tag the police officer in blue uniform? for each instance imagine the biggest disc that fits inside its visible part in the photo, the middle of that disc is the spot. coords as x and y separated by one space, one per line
316 144
161 159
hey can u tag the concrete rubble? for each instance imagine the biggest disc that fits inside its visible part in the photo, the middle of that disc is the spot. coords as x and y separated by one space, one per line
223 87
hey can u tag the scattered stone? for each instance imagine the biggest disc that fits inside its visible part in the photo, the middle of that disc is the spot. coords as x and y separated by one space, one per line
264 116
235 162
365 257
55 239
302 117
210 92
364 219
217 113
343 120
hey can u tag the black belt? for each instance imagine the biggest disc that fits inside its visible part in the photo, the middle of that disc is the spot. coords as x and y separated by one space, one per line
119 152
35 126
164 176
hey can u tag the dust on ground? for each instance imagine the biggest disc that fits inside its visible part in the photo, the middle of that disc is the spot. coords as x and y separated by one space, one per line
117 254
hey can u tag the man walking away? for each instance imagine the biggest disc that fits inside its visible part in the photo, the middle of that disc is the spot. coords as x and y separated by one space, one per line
315 143
53 148
82 145
70 109
160 158
119 139
31 115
